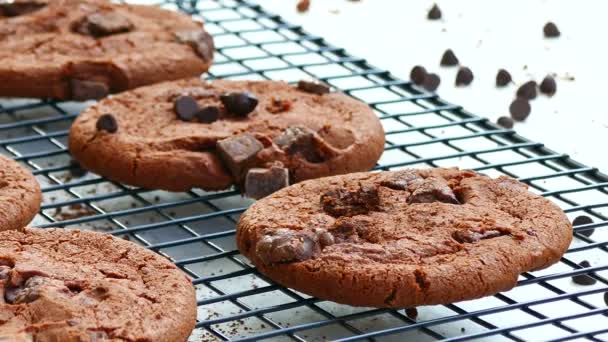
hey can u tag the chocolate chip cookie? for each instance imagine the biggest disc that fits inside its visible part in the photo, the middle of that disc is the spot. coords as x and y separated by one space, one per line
87 49
19 195
70 285
403 238
261 135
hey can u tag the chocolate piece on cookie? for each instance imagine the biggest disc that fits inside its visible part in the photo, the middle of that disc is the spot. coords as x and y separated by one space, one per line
15 8
83 90
313 87
199 40
261 182
185 107
239 103
208 114
20 195
239 152
81 286
107 122
102 24
367 243
299 140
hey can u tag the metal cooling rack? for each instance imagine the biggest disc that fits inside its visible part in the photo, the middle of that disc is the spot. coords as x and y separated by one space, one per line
196 229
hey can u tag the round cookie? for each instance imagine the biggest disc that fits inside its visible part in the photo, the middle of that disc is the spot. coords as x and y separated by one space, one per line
191 133
70 285
404 238
20 195
86 49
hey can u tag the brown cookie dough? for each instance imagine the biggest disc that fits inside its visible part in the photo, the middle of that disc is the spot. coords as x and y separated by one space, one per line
19 195
403 238
160 141
87 49
70 285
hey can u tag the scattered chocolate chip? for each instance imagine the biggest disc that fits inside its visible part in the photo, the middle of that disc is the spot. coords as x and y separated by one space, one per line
16 8
505 122
313 87
411 313
431 190
584 279
284 245
199 40
239 152
349 202
582 220
261 182
208 114
527 90
303 6
185 107
76 170
240 104
464 77
503 78
431 82
449 58
519 109
470 236
83 90
418 74
551 30
299 140
107 123
103 24
548 86
434 13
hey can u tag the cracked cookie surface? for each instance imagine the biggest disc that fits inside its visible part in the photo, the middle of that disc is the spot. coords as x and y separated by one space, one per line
19 195
70 285
403 238
87 49
161 140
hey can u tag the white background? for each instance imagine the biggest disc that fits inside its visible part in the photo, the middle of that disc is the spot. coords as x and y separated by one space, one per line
486 36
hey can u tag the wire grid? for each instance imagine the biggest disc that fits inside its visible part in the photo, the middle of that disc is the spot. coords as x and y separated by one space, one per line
196 229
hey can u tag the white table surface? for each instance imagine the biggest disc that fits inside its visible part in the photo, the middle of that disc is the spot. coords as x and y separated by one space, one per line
486 36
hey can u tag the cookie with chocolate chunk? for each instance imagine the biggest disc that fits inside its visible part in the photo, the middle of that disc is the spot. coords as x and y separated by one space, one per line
70 285
86 49
19 195
403 238
261 135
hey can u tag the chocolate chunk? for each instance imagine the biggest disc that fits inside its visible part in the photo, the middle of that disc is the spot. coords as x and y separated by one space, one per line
431 82
400 180
303 6
505 122
431 190
103 24
185 107
551 31
313 87
464 77
418 74
239 152
347 202
434 13
260 182
107 123
584 279
239 104
19 7
199 40
449 58
519 109
284 245
208 114
527 90
299 140
470 236
583 220
83 90
503 78
548 86
76 170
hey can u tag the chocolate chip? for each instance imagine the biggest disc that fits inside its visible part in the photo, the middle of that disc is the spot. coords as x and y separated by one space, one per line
505 122
185 107
76 170
83 90
583 220
418 74
470 236
503 78
313 87
548 86
449 58
303 6
107 123
464 77
199 40
284 245
349 202
260 182
527 90
239 152
208 114
551 30
431 82
103 24
399 180
298 140
434 13
584 279
431 190
239 104
16 8
519 109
